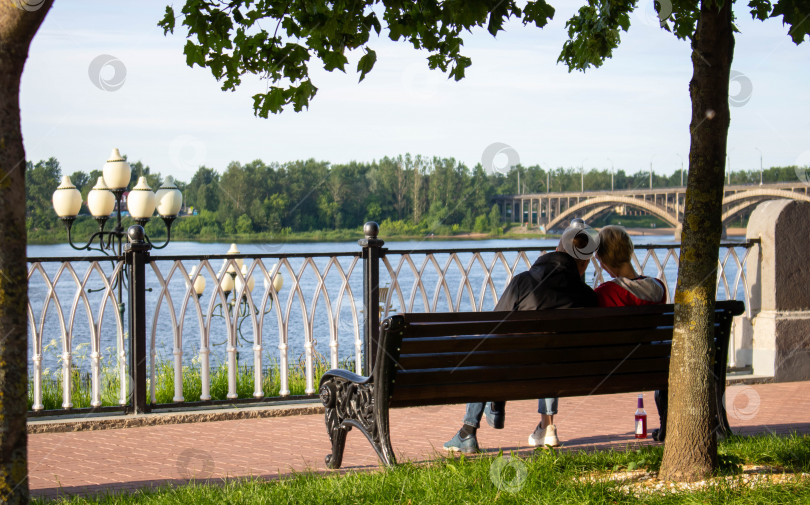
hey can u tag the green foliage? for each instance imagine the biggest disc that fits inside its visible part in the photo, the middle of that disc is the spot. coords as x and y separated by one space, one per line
278 41
80 381
311 200
495 220
81 392
230 39
41 180
648 458
593 33
795 13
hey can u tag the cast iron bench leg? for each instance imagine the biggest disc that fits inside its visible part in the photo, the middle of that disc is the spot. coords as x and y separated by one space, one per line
337 434
348 405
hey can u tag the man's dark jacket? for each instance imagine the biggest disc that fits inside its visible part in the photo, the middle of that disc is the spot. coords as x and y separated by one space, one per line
553 282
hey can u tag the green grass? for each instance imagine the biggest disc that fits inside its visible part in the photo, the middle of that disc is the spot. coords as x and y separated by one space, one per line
543 477
164 382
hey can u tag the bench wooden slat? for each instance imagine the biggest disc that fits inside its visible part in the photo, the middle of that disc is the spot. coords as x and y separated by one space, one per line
489 342
422 330
549 370
521 390
543 315
529 356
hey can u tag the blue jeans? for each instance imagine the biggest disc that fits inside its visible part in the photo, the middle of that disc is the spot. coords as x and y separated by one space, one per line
475 411
547 406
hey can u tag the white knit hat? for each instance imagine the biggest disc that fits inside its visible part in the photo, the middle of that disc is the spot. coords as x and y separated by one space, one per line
575 229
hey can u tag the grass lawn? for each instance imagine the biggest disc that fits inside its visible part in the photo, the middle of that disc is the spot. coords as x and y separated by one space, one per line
546 476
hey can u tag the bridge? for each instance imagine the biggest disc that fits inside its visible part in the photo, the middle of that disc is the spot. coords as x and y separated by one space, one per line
550 211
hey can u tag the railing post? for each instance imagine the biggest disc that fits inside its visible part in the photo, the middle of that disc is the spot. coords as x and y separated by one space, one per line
136 253
372 252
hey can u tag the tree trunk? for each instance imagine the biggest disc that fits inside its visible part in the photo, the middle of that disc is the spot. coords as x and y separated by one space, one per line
17 28
690 452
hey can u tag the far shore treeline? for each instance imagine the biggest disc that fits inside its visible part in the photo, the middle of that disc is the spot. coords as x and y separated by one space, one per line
410 196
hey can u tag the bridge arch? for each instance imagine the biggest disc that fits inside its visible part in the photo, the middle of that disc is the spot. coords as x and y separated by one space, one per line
738 202
602 202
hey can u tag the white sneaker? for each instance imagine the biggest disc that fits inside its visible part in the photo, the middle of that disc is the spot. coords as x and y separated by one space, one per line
544 437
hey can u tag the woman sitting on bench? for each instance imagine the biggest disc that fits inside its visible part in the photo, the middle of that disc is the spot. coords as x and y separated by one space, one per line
628 288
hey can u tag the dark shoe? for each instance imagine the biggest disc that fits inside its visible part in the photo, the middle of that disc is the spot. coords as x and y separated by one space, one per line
494 419
466 445
658 435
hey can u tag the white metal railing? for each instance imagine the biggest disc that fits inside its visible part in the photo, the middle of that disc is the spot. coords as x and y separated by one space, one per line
52 318
317 312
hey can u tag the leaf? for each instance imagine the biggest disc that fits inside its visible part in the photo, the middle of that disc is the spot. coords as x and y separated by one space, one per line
334 60
457 72
496 18
631 466
168 21
760 9
538 12
194 54
366 63
275 100
795 13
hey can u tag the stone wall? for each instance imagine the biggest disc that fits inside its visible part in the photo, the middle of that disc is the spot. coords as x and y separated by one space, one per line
778 273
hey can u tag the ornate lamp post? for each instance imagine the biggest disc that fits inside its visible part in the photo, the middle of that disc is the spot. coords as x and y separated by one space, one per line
107 195
240 308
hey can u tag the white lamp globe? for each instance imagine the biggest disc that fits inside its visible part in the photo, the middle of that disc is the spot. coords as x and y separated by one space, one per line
67 201
251 282
226 283
239 261
168 198
199 282
116 171
141 200
100 199
278 280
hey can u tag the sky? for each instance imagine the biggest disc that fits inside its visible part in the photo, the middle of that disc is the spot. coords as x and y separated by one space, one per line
101 74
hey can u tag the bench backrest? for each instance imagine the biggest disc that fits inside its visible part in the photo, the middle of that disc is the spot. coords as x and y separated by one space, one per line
456 357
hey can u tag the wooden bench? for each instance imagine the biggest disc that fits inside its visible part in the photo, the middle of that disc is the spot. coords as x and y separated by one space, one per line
458 357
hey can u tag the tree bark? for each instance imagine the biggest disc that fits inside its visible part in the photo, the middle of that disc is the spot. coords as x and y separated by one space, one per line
690 452
18 24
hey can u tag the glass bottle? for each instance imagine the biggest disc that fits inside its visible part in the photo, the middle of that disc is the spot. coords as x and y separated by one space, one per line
641 418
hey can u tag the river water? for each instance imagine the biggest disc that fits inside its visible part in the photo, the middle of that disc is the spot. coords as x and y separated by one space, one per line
318 302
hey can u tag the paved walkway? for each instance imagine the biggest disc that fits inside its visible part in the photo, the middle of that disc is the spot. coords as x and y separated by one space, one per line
91 462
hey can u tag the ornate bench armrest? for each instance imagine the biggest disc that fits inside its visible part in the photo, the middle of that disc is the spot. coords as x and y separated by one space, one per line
348 400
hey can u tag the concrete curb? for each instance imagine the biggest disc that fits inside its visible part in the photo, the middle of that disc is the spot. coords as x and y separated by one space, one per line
55 425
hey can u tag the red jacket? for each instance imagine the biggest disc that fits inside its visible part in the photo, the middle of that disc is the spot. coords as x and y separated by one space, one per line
622 291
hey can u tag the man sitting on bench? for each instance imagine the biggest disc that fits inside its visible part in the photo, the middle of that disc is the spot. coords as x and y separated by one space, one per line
554 281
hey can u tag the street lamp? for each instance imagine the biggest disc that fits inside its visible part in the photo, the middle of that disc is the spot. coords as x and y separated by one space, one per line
728 164
107 195
760 165
582 176
680 158
230 282
611 174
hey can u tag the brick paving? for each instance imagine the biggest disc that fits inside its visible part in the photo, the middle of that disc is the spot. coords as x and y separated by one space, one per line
90 462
